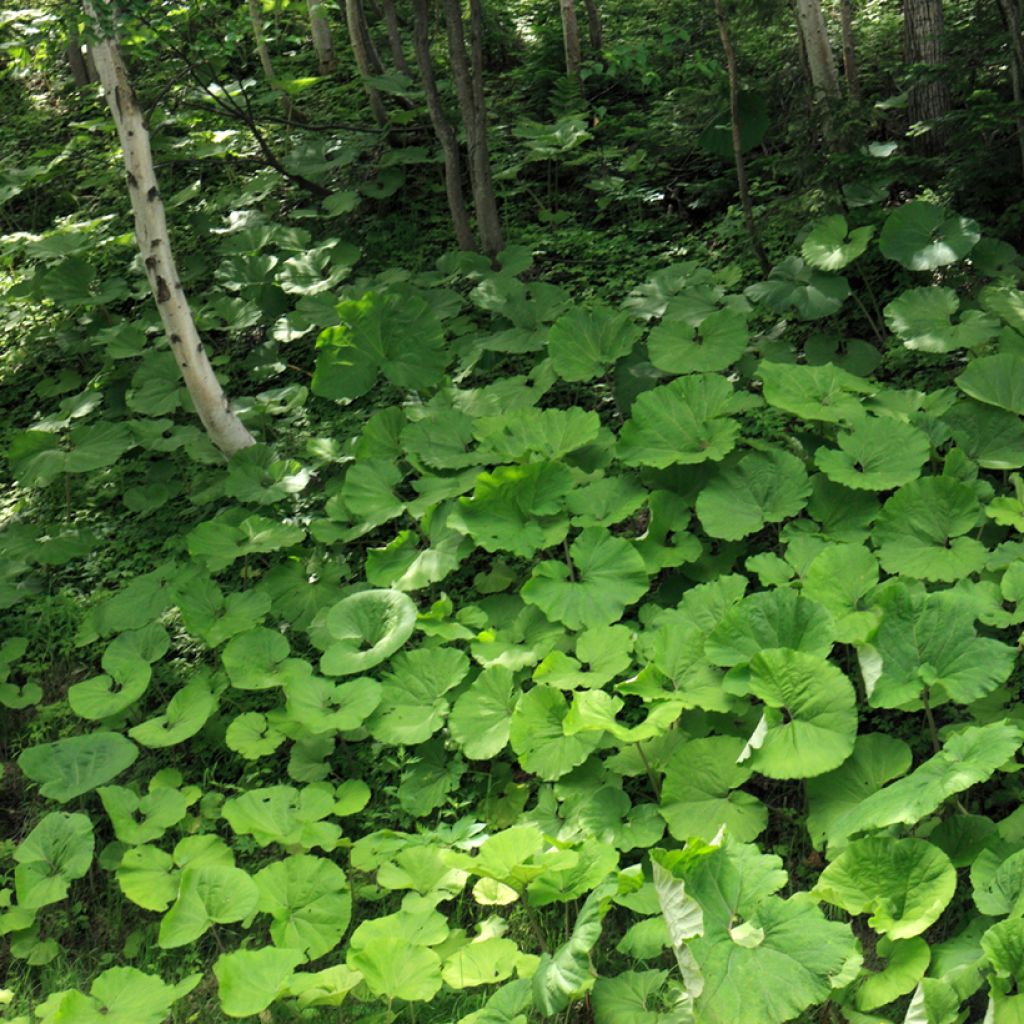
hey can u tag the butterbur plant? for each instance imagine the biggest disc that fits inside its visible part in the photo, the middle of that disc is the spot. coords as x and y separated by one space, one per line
688 699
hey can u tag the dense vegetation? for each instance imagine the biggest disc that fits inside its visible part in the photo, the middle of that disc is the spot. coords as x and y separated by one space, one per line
610 610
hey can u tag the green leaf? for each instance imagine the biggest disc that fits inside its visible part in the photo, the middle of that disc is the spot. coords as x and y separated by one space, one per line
517 508
993 438
763 487
186 713
681 423
794 285
543 433
145 877
877 759
538 737
700 792
639 997
922 319
161 808
839 578
120 995
77 764
906 962
252 736
321 706
810 720
585 342
919 236
412 706
479 721
905 884
255 659
207 894
675 346
397 969
996 380
97 446
397 335
877 454
365 629
823 393
285 815
56 852
608 575
920 531
971 756
249 980
831 245
309 900
481 962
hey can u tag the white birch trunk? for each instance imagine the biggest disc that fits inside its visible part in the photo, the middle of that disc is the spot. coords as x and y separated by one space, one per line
225 429
822 64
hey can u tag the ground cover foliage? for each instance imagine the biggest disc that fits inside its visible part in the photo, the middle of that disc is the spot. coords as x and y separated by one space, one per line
644 657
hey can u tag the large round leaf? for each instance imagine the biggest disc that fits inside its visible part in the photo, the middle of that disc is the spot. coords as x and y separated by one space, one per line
922 319
75 765
676 346
366 629
763 487
207 894
831 245
996 380
479 720
810 718
905 884
538 736
57 851
920 531
877 454
906 962
792 285
920 236
993 438
249 980
585 342
824 393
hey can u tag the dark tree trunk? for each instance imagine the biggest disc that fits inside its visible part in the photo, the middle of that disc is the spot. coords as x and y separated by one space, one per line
395 38
571 42
1012 17
76 62
359 36
924 44
470 90
849 49
442 128
594 26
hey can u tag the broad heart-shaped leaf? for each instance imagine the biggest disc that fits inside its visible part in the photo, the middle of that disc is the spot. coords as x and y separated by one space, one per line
920 236
145 877
760 958
543 433
249 980
700 793
479 721
971 756
763 487
254 659
186 713
993 438
810 720
824 393
76 764
907 960
831 245
609 574
586 341
321 706
920 531
309 900
929 640
285 815
397 335
877 454
639 997
120 995
159 809
794 285
366 628
516 508
566 974
839 578
877 759
395 968
922 319
676 346
905 884
996 380
538 737
681 423
56 852
412 706
481 962
768 619
207 894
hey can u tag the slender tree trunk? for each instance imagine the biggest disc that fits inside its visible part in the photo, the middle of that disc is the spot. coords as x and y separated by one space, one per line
359 37
924 43
395 38
470 91
322 42
225 429
822 65
571 42
594 26
263 52
850 69
737 145
90 64
1012 17
442 128
76 62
